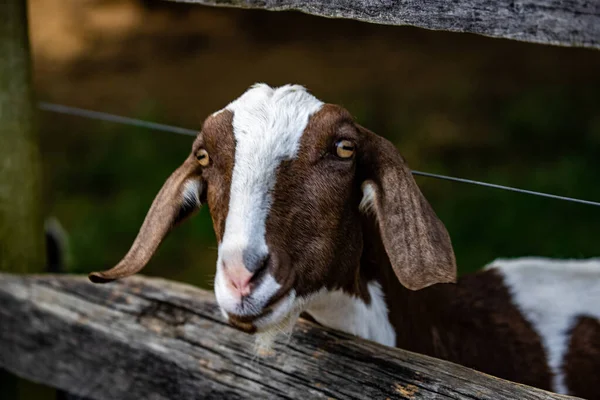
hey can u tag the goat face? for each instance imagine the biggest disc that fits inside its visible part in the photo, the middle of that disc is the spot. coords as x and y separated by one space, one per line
287 180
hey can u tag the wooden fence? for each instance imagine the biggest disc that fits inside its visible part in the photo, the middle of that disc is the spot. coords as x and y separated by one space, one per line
143 338
557 22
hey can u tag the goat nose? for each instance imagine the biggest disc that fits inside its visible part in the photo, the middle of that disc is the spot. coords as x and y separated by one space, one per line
239 278
241 275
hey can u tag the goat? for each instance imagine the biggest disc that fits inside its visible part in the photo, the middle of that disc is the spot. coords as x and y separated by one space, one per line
314 213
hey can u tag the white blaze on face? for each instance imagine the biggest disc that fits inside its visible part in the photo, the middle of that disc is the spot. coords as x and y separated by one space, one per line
267 125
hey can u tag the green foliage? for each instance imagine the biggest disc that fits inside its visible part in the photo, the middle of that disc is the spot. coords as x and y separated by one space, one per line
547 140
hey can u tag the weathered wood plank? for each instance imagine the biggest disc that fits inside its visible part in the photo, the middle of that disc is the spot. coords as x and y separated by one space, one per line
145 338
557 22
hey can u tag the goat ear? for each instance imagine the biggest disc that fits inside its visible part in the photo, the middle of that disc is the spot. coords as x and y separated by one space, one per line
416 241
180 196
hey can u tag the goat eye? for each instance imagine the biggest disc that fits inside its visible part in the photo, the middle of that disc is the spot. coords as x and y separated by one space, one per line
202 157
344 148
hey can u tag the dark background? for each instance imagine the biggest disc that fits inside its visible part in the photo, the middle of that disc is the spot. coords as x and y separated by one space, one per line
506 112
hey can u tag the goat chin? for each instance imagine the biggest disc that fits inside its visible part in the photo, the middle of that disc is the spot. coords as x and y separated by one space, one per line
264 342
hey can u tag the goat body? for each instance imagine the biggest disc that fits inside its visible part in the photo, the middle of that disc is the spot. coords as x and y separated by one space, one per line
530 320
314 213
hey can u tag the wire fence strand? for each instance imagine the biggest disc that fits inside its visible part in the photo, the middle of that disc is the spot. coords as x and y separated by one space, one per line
511 189
102 116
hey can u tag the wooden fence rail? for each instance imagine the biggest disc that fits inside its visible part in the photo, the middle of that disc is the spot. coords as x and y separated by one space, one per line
144 338
558 22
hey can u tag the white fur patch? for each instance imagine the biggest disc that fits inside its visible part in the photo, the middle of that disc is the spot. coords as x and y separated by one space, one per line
367 203
191 192
267 126
280 321
351 314
552 294
337 310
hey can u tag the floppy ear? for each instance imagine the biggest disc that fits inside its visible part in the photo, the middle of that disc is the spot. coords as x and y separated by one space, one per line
180 196
416 241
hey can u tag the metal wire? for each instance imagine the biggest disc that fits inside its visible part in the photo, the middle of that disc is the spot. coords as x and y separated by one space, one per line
511 189
80 112
102 116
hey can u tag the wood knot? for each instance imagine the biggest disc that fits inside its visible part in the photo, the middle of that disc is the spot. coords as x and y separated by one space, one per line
407 391
163 318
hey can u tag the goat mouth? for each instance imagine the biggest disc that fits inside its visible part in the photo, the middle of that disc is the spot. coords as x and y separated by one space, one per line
244 326
248 323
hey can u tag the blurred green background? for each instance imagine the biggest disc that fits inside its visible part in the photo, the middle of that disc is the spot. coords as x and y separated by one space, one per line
506 112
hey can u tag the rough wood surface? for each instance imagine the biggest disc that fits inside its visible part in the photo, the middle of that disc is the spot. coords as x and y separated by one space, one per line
557 22
145 338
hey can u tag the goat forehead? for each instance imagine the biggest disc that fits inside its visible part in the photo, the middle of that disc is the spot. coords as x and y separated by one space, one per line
268 124
276 117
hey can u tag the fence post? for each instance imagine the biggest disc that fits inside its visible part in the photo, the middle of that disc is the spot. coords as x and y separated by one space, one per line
21 231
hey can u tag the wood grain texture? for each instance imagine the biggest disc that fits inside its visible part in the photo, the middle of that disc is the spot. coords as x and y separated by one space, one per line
556 22
144 338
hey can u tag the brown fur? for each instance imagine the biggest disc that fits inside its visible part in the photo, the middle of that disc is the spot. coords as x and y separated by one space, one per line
582 362
317 230
218 140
